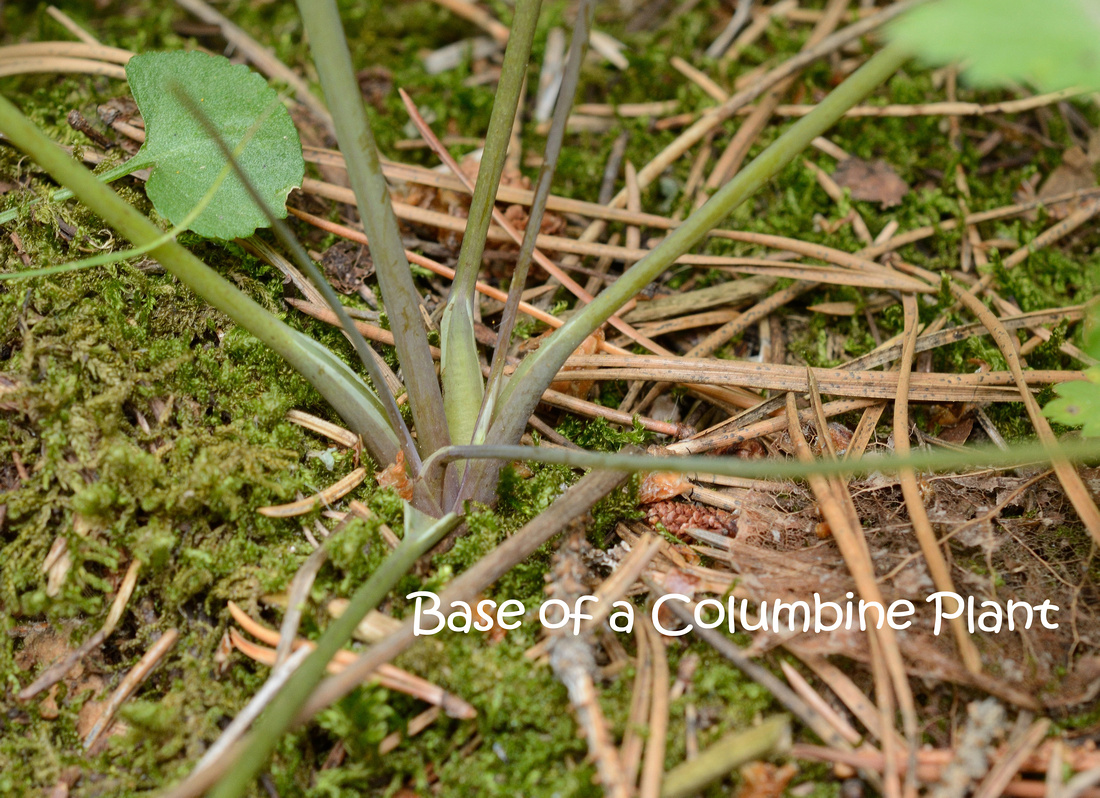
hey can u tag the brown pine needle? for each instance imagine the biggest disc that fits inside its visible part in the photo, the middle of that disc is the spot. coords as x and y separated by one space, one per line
914 501
326 497
388 676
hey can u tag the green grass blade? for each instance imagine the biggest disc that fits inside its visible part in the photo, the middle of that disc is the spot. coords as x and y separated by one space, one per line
461 370
554 139
353 131
537 371
280 714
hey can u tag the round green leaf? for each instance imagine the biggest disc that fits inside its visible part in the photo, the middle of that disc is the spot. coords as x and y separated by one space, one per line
1053 44
1078 403
187 161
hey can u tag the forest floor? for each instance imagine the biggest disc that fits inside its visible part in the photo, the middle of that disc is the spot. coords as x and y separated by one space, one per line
140 430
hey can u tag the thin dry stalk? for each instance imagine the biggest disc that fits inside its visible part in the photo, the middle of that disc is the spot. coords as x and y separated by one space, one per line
630 753
754 125
326 497
387 676
574 664
68 24
926 387
334 432
720 437
762 676
653 765
699 78
297 596
846 690
930 764
716 116
914 502
1012 760
755 29
884 692
1066 473
803 689
82 66
478 16
239 725
836 509
130 683
84 51
761 310
610 590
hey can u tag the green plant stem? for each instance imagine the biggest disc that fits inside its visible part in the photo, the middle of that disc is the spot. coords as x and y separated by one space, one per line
278 717
537 371
554 139
347 394
728 753
460 368
402 302
111 175
1086 450
305 263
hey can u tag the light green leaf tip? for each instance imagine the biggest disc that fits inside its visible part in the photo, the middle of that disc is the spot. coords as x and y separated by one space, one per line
1052 44
1078 404
186 161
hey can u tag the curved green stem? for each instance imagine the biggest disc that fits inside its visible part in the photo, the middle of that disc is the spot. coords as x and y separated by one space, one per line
347 394
463 388
537 371
279 716
978 457
353 131
111 175
554 139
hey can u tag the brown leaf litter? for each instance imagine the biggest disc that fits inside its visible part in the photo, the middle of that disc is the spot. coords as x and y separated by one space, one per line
871 181
1002 534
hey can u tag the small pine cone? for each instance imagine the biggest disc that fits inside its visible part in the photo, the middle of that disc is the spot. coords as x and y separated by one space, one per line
677 516
660 485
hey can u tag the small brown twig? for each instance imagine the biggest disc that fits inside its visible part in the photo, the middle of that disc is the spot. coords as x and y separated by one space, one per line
326 497
130 683
575 666
653 764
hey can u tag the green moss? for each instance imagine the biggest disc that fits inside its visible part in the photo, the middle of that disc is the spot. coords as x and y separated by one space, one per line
151 428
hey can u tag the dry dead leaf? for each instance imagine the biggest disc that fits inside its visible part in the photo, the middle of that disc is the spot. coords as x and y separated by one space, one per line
871 181
1073 174
765 780
394 476
660 486
958 433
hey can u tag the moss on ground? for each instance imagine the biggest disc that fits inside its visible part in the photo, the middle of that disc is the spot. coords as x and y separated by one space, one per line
149 427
